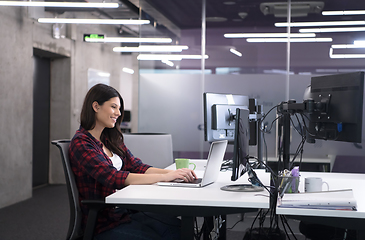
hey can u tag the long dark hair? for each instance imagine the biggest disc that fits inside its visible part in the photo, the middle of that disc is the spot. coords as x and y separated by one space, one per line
112 138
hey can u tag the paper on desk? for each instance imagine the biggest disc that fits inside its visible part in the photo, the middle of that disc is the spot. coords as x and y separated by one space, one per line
332 200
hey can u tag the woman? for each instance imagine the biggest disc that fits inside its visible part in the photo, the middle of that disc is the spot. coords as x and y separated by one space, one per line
102 163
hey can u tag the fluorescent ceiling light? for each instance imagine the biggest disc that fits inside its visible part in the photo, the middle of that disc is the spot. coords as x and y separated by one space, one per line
167 62
93 21
332 55
103 74
322 30
59 4
148 48
291 40
359 43
316 24
348 12
346 46
234 51
266 35
128 70
130 40
170 57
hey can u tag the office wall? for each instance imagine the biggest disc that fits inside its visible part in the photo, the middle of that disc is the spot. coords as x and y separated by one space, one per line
172 103
16 112
70 60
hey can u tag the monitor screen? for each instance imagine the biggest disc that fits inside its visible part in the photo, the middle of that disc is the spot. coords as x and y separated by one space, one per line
241 143
337 109
219 115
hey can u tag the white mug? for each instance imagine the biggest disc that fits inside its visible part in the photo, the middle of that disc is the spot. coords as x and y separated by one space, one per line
314 184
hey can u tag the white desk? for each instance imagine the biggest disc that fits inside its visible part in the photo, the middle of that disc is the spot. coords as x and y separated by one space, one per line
344 219
192 202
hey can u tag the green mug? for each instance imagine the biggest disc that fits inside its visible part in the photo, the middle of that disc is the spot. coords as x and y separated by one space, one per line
183 163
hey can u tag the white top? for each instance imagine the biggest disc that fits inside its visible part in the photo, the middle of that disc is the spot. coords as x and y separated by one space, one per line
117 161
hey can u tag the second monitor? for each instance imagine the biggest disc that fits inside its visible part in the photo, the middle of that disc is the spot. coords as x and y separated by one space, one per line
241 143
241 163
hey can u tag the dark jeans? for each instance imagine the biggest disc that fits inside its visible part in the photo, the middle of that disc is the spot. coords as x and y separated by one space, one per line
145 226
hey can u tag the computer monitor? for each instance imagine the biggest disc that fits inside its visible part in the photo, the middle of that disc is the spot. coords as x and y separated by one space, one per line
219 115
241 143
338 107
240 163
333 109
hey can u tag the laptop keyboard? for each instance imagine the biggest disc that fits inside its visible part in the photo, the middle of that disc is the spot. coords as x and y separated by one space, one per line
196 181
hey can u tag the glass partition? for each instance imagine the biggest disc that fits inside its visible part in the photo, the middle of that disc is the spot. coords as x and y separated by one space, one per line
249 52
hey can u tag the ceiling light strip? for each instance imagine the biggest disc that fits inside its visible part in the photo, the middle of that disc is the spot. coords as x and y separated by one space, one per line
323 30
147 48
359 43
128 70
130 40
167 62
234 51
169 57
348 12
316 24
345 55
275 40
59 4
347 46
93 21
266 35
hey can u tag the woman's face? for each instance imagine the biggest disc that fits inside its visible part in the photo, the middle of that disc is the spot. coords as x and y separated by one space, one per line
106 115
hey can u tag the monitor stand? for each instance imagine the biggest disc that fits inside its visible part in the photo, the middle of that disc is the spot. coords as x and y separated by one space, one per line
242 188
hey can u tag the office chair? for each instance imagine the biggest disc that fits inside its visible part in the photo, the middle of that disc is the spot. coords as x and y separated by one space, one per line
74 230
154 149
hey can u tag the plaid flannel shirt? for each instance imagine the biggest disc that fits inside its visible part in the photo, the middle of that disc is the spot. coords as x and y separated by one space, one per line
96 177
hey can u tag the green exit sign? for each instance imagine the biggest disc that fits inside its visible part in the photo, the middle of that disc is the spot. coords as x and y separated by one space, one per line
91 37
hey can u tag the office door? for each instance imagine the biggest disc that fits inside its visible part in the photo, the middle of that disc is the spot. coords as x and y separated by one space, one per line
41 120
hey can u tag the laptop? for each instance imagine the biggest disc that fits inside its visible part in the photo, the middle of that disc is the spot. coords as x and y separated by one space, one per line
215 159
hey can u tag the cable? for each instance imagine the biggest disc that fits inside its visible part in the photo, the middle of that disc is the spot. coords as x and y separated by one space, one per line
253 223
272 123
264 116
283 219
282 222
266 166
235 224
253 179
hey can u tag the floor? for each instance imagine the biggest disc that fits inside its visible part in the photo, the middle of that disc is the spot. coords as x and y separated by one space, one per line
45 217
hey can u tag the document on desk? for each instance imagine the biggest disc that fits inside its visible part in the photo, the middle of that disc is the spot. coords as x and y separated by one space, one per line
331 200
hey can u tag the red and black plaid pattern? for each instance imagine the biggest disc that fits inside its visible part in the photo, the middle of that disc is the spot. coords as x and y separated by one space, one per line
96 177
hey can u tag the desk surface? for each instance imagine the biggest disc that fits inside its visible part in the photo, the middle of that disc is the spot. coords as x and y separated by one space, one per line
336 181
208 196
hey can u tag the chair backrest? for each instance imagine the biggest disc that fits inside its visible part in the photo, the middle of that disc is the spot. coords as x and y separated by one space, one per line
152 148
74 230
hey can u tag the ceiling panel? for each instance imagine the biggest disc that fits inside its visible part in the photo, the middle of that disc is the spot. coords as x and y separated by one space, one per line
187 14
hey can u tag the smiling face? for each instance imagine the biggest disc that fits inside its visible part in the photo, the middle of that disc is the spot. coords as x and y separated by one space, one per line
106 115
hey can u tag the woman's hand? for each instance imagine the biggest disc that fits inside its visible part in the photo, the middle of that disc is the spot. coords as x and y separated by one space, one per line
186 174
153 175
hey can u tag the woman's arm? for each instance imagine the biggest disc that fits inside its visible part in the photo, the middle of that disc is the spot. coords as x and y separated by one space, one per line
153 175
153 170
